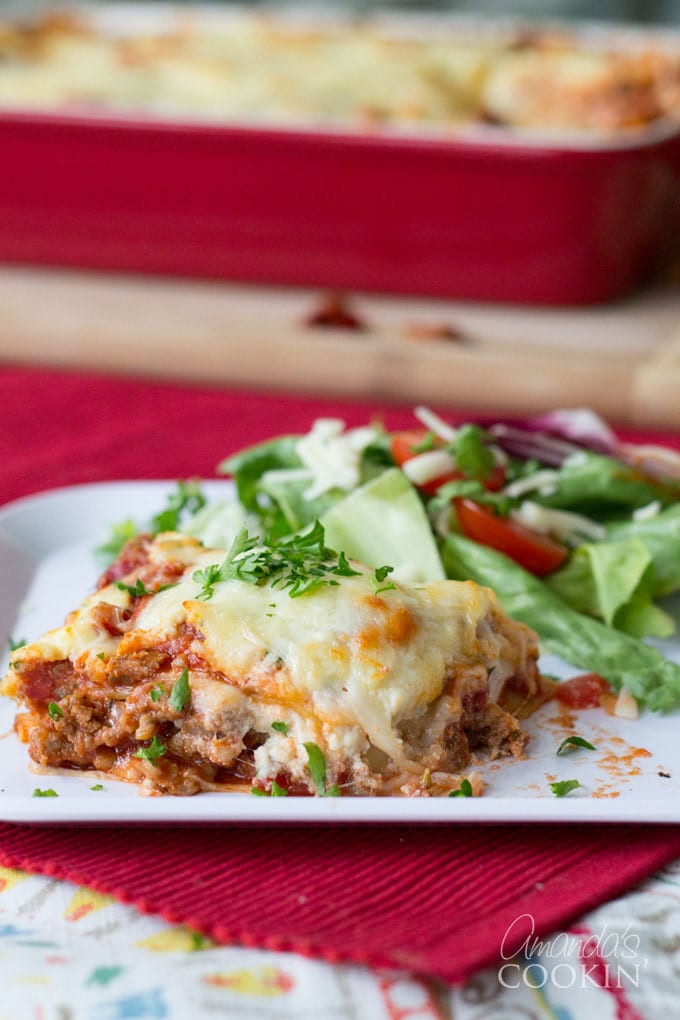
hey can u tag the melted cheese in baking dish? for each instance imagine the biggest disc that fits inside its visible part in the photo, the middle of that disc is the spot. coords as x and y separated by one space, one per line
370 676
257 68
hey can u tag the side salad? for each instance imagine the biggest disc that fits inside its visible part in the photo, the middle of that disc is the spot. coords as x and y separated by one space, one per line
578 533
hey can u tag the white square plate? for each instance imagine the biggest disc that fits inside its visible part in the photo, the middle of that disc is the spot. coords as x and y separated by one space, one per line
48 565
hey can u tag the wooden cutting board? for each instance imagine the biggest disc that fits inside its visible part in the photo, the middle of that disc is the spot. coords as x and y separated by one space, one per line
622 360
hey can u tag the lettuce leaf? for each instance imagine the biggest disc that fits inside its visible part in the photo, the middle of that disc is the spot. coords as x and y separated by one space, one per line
580 640
616 582
217 524
279 504
603 488
247 469
384 521
661 537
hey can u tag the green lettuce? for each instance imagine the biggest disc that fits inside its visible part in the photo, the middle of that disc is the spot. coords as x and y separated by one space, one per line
661 537
384 521
615 581
281 503
247 469
580 640
603 488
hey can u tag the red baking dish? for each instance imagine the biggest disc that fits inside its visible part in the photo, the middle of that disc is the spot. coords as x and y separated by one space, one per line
485 217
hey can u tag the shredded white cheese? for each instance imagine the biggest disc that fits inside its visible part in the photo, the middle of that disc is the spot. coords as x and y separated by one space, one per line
435 424
286 475
646 513
561 523
540 481
425 467
332 455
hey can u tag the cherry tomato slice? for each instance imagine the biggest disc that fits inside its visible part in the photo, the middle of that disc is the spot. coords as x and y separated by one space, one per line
405 446
584 691
535 552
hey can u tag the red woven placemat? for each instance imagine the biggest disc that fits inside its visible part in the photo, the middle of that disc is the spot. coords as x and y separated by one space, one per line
434 899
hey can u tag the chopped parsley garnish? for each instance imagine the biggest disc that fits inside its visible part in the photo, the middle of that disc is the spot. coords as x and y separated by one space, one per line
298 563
208 578
97 787
564 787
379 576
464 790
316 763
153 752
188 496
574 741
135 590
472 455
181 692
14 645
54 711
280 727
119 534
276 791
138 589
156 692
199 942
45 793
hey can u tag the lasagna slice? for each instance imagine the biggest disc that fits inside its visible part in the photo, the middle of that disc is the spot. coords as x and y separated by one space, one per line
195 669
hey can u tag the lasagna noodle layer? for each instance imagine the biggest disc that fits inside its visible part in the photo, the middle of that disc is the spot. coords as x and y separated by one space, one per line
391 686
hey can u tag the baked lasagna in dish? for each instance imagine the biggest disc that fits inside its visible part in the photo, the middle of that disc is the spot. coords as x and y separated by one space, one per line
282 669
245 67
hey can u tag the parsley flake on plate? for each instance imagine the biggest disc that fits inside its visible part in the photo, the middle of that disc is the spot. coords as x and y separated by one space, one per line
464 790
45 793
574 741
276 791
565 786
